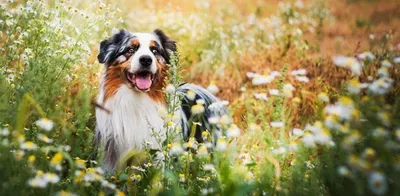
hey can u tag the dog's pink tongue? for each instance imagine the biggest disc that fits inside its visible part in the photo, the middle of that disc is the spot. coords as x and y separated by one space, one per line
143 82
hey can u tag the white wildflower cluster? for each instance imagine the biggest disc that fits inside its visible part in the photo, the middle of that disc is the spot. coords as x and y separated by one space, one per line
300 75
317 134
258 79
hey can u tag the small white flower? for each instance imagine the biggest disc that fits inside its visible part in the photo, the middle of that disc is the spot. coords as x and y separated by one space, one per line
212 88
381 86
386 63
366 55
308 140
304 79
44 138
396 60
222 145
191 95
274 92
297 132
176 149
298 72
348 62
4 132
343 171
377 183
279 151
170 88
277 124
28 145
261 96
262 79
51 177
197 109
45 124
233 131
323 97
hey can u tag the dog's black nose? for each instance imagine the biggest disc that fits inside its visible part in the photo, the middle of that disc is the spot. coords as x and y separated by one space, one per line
145 60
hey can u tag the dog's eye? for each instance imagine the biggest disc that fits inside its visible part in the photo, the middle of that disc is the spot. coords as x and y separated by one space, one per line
154 51
131 51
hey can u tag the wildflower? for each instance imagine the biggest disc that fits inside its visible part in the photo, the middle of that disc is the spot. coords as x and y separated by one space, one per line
261 79
323 97
343 109
176 149
332 122
80 163
65 193
381 86
4 132
348 62
369 153
31 159
396 60
274 92
170 88
304 79
19 154
261 96
308 140
197 109
45 124
208 167
343 171
202 151
182 178
386 63
213 119
56 160
249 176
366 55
191 95
120 193
277 124
354 86
28 145
384 117
279 151
383 72
371 36
298 72
136 177
222 145
293 146
323 137
288 90
233 131
225 119
297 132
397 133
191 143
200 101
51 177
212 88
44 138
377 183
380 132
38 182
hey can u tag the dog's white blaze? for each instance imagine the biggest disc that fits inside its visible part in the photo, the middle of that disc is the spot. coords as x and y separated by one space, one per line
144 49
133 120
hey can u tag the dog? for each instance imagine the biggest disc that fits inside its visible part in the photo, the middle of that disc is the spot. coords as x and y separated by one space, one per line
131 94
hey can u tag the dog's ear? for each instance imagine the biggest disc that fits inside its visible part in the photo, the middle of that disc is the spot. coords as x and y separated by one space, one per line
110 48
167 43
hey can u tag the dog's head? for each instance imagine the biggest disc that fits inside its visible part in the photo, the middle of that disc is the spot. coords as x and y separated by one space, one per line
140 58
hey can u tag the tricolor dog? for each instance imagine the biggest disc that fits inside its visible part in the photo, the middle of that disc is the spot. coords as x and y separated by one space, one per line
131 94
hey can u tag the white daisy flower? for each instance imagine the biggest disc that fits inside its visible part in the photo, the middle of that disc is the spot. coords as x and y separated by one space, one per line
45 124
274 92
261 96
212 88
233 131
348 62
386 63
366 55
277 124
377 183
170 88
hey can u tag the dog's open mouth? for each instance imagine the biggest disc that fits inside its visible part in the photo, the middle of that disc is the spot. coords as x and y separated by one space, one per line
142 80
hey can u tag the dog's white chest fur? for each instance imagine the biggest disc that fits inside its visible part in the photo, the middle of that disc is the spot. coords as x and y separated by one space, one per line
133 122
